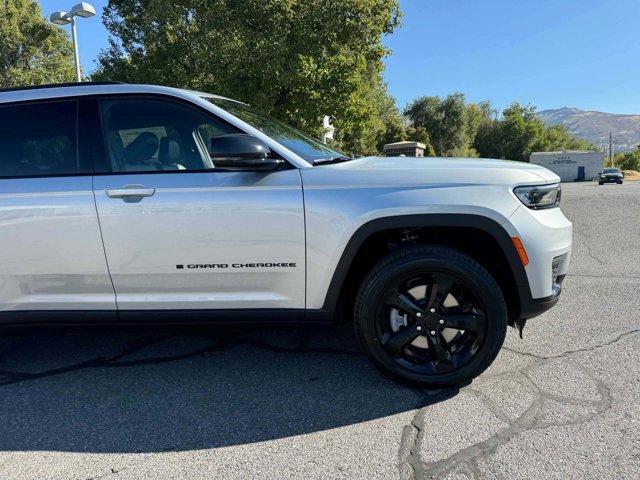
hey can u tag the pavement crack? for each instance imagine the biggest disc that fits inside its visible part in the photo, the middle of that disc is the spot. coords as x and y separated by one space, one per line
531 419
8 377
587 246
568 353
409 452
410 464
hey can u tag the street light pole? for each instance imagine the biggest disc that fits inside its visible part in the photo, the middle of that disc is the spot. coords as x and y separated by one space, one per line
76 55
84 10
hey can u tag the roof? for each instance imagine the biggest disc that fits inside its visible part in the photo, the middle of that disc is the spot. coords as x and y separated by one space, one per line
40 92
57 85
406 144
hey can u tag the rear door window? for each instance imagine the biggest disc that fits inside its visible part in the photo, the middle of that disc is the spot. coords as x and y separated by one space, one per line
39 140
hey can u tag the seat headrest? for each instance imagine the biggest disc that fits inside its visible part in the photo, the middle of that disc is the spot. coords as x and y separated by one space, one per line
142 148
169 151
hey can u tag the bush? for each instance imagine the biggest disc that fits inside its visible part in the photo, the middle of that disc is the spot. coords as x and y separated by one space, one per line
628 160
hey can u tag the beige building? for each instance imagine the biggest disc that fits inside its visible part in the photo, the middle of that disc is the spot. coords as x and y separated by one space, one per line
406 148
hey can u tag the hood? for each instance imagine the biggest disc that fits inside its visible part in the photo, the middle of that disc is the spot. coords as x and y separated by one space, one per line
391 170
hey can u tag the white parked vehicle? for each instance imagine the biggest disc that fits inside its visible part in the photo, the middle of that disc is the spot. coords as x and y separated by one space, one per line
137 203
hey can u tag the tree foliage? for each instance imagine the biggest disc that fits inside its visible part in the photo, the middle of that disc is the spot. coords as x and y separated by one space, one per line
465 129
393 126
628 160
32 50
520 132
302 59
296 59
452 124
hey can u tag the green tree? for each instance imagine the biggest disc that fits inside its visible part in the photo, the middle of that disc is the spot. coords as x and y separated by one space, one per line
519 132
420 134
392 125
298 60
488 139
628 160
32 50
427 112
451 123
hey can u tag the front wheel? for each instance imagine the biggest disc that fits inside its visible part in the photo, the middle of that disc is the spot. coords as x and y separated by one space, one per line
430 316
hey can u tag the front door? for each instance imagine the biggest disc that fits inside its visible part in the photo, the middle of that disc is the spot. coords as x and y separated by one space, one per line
181 235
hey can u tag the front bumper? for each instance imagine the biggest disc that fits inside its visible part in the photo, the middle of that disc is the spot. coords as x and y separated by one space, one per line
532 307
547 237
611 179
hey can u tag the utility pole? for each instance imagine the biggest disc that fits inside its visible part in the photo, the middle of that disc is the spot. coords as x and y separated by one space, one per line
611 149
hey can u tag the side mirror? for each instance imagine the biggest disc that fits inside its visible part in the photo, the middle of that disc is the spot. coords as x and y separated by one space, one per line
239 151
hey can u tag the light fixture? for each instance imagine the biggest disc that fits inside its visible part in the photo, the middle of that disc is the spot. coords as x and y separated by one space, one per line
82 10
60 18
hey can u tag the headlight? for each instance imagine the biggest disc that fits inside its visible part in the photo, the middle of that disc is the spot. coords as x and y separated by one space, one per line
539 196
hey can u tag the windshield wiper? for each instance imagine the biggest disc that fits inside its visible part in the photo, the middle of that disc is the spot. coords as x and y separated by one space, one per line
335 159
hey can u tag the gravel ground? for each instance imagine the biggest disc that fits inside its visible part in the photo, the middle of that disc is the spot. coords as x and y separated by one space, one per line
562 403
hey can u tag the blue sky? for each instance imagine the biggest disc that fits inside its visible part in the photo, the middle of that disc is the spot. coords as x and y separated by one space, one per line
551 53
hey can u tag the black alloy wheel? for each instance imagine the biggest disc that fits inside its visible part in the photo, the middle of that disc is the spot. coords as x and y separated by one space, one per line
430 315
443 322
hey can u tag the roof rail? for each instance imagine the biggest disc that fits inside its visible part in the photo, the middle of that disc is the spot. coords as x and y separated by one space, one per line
58 85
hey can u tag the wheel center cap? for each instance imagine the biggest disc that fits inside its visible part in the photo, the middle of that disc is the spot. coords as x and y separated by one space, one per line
431 320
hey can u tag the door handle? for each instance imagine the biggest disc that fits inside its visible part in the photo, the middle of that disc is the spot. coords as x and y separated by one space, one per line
130 191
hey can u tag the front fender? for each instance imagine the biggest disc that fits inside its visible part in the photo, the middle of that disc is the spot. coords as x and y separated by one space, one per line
465 220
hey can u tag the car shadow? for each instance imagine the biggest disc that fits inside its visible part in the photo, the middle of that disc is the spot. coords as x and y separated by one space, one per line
155 390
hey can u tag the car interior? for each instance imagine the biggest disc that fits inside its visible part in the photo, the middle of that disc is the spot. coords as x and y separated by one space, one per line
145 136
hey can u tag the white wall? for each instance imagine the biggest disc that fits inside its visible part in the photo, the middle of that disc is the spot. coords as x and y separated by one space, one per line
565 164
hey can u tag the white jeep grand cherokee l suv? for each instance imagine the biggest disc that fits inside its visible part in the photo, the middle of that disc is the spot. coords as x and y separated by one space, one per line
139 203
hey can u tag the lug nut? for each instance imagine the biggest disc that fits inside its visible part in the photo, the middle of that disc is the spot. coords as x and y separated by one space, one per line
433 310
418 314
418 328
433 332
441 322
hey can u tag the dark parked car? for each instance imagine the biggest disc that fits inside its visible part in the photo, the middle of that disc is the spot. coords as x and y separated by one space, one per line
610 175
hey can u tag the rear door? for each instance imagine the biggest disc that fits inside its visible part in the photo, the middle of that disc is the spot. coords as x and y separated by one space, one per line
51 255
180 234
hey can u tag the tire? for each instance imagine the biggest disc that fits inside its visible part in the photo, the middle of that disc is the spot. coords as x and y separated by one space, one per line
473 289
600 183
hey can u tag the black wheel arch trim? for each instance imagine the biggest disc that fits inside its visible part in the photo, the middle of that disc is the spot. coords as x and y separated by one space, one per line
529 307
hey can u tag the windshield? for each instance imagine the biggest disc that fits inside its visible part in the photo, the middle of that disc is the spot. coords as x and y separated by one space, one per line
302 145
611 170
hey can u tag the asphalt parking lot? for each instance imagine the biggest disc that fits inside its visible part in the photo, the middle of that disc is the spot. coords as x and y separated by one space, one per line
562 403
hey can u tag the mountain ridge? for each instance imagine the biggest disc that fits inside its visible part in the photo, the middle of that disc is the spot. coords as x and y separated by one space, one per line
595 126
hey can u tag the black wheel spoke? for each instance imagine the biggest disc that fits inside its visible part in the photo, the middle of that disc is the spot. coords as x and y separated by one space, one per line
439 289
473 322
441 354
401 339
416 328
403 302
